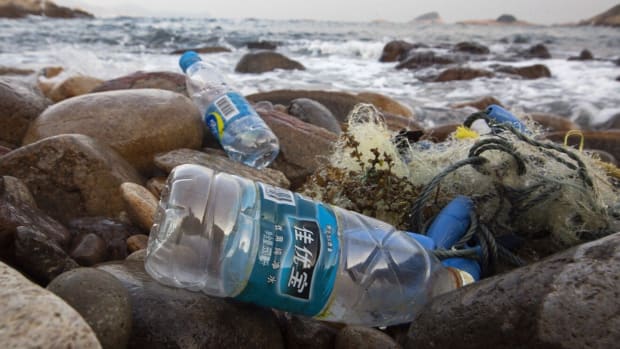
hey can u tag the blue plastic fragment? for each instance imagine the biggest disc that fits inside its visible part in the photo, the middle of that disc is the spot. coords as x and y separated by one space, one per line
501 115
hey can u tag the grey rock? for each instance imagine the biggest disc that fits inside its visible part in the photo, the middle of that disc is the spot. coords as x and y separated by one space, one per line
537 51
139 255
301 332
471 47
395 50
113 232
20 104
101 300
141 205
264 61
14 190
425 59
166 317
355 337
90 249
314 113
535 71
33 317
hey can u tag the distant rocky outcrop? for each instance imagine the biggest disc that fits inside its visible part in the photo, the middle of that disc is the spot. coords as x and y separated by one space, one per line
504 19
430 17
23 8
610 18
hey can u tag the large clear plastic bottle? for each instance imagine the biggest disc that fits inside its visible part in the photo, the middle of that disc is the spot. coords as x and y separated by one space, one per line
231 237
242 133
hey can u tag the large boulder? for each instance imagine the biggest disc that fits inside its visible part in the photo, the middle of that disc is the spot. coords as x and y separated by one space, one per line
395 50
264 61
462 73
569 300
166 317
162 80
554 123
471 47
136 123
420 60
71 175
20 104
33 317
386 104
71 87
610 17
537 51
530 72
23 8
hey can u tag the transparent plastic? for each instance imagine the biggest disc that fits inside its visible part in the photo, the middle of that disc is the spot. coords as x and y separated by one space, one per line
206 238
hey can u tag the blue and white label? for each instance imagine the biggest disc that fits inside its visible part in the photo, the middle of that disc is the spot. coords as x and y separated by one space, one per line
298 255
224 110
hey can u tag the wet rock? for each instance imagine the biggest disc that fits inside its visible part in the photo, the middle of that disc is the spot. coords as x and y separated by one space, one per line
314 113
137 242
610 17
480 104
265 61
15 71
89 250
585 55
569 300
462 73
355 337
71 175
396 123
420 60
158 80
262 45
19 105
113 232
608 141
472 48
23 8
612 123
136 123
535 71
537 51
202 50
440 133
301 332
72 86
395 50
155 185
141 204
301 145
168 161
39 256
33 317
15 191
552 122
139 255
101 300
506 18
386 104
166 317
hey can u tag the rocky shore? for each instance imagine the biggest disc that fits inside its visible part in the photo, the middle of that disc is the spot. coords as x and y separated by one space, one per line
83 163
23 8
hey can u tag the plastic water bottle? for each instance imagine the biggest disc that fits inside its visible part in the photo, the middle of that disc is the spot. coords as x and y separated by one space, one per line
231 237
240 130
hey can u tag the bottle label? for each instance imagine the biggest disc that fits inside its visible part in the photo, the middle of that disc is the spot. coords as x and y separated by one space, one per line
224 110
298 253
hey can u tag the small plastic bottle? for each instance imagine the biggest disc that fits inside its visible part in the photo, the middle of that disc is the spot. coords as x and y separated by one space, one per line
240 130
231 237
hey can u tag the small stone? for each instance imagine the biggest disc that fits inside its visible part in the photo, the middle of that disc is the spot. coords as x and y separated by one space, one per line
113 232
14 190
155 185
356 337
90 249
537 51
20 104
584 55
101 300
472 48
461 73
264 61
395 50
33 317
137 242
535 71
73 86
141 204
314 113
139 255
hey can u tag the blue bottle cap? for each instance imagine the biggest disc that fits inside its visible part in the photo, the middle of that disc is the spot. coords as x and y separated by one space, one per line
187 59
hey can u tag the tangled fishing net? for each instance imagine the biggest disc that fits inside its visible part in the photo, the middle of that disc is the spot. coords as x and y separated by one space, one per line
523 188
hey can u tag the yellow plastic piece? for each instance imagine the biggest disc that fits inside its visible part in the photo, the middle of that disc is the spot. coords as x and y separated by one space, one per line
463 132
575 132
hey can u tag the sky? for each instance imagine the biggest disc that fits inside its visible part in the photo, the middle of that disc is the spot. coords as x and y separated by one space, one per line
536 11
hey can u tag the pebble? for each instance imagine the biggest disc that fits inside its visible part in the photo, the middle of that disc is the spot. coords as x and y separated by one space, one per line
265 61
137 242
90 249
113 232
356 337
20 104
314 113
156 185
141 204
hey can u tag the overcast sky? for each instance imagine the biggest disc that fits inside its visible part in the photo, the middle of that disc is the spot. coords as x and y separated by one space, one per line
537 11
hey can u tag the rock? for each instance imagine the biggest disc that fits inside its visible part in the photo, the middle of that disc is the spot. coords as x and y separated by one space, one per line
15 191
155 185
480 104
585 55
429 18
608 141
314 113
339 103
301 145
301 332
50 72
168 161
264 61
386 104
535 71
114 234
603 156
71 175
73 86
420 60
356 337
537 51
552 122
136 123
23 8
158 80
4 150
262 45
462 73
15 71
440 133
506 19
19 105
569 300
137 242
472 48
610 17
42 258
611 123
33 317
139 255
101 300
396 123
202 50
141 204
166 317
90 249
395 50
